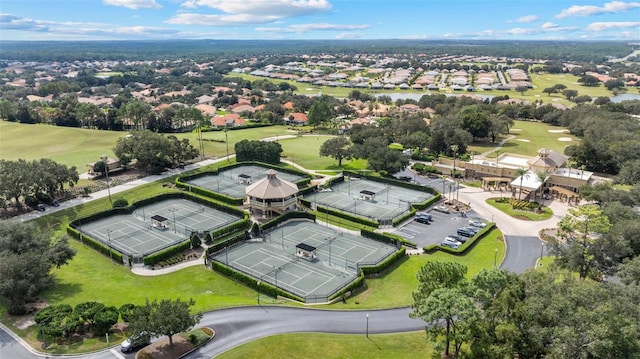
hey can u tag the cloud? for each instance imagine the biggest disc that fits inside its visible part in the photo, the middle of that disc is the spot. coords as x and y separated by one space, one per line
13 22
302 28
134 4
603 26
589 10
280 8
525 19
220 20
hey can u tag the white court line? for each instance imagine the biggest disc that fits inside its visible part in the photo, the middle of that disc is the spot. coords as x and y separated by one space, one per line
115 352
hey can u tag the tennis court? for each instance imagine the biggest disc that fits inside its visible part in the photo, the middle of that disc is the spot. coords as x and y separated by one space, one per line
274 260
156 226
364 198
233 182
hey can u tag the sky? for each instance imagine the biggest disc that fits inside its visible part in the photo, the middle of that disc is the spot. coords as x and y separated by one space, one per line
319 19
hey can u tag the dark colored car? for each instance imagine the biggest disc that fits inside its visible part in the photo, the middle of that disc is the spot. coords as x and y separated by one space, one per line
404 178
423 220
55 203
425 215
466 232
41 207
458 238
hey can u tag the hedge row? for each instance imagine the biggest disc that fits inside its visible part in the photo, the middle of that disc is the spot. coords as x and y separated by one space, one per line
353 285
227 241
221 232
285 217
386 237
74 233
404 217
264 288
426 204
382 266
333 181
348 216
166 253
235 128
469 243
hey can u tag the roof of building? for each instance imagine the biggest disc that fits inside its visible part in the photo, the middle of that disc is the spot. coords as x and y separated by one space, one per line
271 187
158 218
306 247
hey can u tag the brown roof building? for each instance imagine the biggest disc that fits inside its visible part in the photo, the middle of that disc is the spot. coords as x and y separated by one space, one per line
271 195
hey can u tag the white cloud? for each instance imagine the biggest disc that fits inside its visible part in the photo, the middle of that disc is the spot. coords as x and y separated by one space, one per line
13 22
220 20
549 25
134 4
302 28
525 19
349 35
588 10
603 26
280 8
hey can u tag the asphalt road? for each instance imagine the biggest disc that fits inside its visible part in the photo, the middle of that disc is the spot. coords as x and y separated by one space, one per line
236 326
522 253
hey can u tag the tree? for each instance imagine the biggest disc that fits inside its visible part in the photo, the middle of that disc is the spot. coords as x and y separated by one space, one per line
582 229
614 84
135 112
569 94
320 112
542 177
559 87
522 89
28 254
166 317
338 148
386 159
550 90
439 297
588 80
268 152
153 151
475 121
522 173
582 99
104 319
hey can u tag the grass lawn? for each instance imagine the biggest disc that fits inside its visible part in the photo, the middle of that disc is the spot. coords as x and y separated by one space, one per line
309 345
529 138
393 289
520 214
305 152
77 147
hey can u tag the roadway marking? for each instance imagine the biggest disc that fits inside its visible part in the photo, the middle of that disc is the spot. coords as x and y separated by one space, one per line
115 352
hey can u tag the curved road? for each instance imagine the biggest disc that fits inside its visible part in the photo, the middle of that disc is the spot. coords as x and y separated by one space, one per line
235 326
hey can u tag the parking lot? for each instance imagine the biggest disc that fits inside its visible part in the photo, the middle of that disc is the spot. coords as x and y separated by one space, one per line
443 224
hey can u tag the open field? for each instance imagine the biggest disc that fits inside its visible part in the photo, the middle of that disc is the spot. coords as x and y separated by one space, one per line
77 147
529 138
307 345
305 151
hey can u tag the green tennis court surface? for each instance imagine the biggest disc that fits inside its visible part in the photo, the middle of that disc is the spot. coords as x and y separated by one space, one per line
138 234
380 202
233 182
273 260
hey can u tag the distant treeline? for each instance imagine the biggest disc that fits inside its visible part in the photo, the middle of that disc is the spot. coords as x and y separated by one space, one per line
596 52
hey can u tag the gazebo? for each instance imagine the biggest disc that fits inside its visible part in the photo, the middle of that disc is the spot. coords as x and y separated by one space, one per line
271 195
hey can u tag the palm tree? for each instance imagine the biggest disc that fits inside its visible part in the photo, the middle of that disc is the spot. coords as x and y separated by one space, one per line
542 177
522 173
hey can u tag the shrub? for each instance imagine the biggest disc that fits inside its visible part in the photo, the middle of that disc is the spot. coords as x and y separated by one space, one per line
193 339
120 203
44 197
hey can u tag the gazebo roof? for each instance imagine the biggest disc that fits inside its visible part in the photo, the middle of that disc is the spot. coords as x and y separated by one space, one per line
271 187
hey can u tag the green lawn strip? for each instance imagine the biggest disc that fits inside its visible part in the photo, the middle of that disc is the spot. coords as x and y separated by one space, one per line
394 288
305 151
308 345
532 216
529 137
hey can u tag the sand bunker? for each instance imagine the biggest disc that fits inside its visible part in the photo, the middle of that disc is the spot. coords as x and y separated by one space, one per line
565 139
523 140
557 131
516 129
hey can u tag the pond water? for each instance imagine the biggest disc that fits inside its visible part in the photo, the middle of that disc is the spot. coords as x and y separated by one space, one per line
625 97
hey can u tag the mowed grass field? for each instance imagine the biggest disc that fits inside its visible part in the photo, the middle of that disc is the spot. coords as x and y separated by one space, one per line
333 346
305 151
78 147
529 138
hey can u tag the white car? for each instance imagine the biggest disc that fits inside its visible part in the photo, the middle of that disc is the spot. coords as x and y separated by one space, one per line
451 243
442 209
477 223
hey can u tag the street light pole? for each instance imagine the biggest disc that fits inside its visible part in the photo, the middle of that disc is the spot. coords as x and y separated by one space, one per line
226 140
258 292
173 211
105 162
495 257
367 332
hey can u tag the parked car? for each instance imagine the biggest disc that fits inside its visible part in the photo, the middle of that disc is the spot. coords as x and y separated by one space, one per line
55 203
466 232
404 178
424 215
451 243
135 341
423 220
442 209
458 238
476 223
41 207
